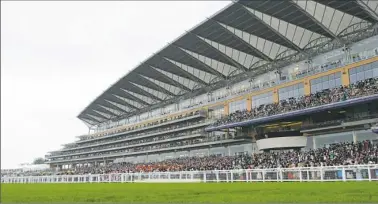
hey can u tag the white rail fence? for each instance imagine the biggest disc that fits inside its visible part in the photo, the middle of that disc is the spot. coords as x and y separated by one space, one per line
307 174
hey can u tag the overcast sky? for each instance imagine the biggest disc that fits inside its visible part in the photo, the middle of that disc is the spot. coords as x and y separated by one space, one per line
56 57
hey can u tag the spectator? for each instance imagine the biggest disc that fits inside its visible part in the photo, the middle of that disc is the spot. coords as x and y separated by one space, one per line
342 93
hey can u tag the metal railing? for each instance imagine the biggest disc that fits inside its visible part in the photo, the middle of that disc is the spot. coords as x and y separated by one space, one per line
303 174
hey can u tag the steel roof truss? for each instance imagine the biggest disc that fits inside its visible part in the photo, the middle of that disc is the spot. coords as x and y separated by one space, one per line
123 102
229 59
255 50
95 118
120 104
187 74
87 122
154 91
368 10
88 119
107 115
334 36
204 65
351 7
169 79
129 96
94 113
111 106
143 92
149 84
116 111
293 45
106 111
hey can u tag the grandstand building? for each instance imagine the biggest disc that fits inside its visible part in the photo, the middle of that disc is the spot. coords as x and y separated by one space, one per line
192 97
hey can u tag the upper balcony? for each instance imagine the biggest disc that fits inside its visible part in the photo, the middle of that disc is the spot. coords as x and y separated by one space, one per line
137 137
145 127
357 93
186 144
141 143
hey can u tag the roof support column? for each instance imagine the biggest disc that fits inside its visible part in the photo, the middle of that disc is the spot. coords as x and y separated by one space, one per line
226 106
307 87
345 80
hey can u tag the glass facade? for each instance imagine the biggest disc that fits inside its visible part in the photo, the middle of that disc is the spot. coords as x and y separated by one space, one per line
237 106
336 58
219 151
169 109
144 116
241 149
294 91
261 99
216 113
199 152
321 141
182 154
224 151
326 82
363 72
366 135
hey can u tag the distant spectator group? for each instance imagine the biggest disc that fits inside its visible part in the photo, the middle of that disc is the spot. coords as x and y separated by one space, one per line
332 155
326 96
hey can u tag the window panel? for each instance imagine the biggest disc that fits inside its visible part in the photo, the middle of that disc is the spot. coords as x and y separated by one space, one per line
360 76
293 91
326 82
261 99
352 71
375 72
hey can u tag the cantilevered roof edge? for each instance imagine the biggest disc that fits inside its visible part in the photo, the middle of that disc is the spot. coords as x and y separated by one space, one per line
151 56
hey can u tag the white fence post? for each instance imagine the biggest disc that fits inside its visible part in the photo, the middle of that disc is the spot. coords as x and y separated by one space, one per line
343 174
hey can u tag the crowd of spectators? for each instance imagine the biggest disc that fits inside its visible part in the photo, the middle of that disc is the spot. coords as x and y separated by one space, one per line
166 141
126 140
284 77
364 152
326 96
119 130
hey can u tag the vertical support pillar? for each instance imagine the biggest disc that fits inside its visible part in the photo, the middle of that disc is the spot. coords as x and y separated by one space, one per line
345 80
249 103
354 137
307 87
276 98
226 108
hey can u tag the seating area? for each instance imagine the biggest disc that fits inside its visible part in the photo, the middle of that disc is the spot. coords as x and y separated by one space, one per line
364 152
327 96
119 130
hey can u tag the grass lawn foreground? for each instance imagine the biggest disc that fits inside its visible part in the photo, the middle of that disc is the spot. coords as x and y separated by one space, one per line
346 192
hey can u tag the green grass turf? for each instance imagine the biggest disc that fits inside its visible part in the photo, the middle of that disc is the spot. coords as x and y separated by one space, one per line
351 192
